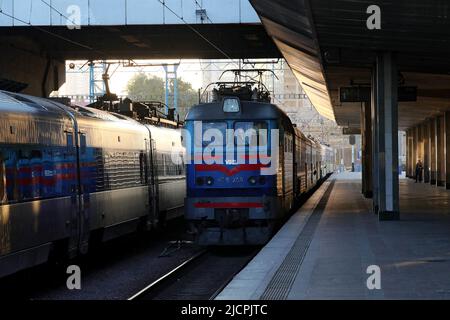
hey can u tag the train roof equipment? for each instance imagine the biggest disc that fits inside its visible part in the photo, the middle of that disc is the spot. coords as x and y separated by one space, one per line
252 89
146 112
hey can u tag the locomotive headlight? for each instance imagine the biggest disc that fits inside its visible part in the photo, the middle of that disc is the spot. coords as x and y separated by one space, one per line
252 180
209 181
199 181
231 104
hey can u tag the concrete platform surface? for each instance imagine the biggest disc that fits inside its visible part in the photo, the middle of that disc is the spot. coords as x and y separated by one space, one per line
325 249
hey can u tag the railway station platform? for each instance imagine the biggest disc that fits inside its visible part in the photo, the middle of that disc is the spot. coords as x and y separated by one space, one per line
325 248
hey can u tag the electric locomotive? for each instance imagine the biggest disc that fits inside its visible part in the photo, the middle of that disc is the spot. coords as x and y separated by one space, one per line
248 166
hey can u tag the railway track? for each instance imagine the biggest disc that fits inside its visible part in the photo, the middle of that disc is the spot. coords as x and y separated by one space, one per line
158 283
200 277
205 274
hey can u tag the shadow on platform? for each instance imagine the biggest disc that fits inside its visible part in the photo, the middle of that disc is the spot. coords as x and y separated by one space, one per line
413 254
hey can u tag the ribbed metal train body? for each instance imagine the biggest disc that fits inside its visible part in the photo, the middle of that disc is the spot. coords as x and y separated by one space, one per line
71 176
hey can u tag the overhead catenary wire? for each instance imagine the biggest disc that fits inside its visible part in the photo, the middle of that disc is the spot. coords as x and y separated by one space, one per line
46 31
31 10
93 49
56 10
195 30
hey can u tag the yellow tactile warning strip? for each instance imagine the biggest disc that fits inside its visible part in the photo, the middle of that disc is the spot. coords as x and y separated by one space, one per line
281 283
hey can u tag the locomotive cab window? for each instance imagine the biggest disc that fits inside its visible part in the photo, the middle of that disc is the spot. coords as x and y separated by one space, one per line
210 128
257 136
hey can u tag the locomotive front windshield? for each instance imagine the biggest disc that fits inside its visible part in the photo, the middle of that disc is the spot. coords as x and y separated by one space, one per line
251 133
216 126
244 133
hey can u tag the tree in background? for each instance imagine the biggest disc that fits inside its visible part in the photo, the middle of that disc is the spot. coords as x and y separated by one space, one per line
142 87
187 97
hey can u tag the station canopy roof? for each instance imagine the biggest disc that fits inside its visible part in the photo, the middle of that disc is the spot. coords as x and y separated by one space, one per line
327 45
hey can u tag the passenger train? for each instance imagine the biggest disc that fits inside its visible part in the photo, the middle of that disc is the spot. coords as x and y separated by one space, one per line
70 177
232 202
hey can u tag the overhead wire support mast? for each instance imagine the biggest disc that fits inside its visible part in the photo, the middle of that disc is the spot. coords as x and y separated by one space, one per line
201 8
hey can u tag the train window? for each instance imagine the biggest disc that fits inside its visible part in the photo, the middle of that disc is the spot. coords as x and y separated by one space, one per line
69 141
259 136
206 126
82 143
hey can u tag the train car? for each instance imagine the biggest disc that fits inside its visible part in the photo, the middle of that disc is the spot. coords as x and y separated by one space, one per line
70 177
328 161
235 203
316 160
169 161
306 162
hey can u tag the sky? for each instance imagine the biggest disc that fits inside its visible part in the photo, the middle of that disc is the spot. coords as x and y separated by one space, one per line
192 71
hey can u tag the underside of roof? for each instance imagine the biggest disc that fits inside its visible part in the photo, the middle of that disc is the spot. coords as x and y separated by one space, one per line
290 26
328 46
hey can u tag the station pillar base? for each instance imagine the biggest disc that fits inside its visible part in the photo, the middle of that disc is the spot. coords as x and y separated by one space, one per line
388 215
369 194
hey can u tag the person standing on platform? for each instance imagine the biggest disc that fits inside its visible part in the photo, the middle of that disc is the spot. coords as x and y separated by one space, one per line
419 168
